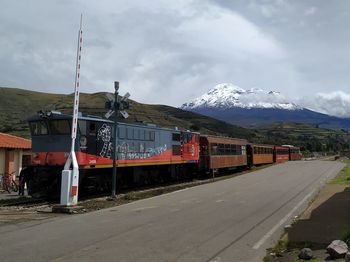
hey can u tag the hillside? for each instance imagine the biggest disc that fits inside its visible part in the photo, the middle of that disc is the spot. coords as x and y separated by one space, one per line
309 138
16 105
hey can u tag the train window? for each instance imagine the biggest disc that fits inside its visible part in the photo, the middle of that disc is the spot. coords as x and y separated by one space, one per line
214 149
176 150
176 137
255 150
152 135
227 149
221 149
121 132
188 138
243 150
82 127
142 134
239 150
38 128
92 128
59 127
232 149
136 134
129 133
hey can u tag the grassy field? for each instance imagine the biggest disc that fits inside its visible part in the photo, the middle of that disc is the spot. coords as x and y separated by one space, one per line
309 138
344 177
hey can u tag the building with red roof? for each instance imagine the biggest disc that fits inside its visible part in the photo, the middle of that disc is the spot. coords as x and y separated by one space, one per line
15 152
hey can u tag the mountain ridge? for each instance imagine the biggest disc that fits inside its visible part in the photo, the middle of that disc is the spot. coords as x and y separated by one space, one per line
256 107
226 95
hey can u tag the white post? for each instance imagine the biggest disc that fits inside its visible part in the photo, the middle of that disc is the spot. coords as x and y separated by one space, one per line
70 177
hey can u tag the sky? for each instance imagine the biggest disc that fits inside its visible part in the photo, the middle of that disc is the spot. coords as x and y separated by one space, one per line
170 52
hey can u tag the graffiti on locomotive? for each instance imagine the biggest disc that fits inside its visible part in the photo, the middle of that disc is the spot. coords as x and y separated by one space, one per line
125 151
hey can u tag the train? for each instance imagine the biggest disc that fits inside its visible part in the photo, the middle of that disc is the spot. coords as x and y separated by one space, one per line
145 153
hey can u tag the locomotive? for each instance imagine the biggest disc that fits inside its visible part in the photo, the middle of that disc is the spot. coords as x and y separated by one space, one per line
145 153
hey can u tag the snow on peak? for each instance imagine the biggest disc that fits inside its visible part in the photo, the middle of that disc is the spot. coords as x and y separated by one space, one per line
227 96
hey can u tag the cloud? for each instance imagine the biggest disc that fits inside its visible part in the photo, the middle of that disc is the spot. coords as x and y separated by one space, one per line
310 11
160 52
171 52
222 31
336 103
258 96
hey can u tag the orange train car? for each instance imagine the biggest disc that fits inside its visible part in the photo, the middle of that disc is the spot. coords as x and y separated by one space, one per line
259 154
281 154
222 152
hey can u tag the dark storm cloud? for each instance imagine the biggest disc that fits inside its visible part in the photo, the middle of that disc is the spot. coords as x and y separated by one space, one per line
169 53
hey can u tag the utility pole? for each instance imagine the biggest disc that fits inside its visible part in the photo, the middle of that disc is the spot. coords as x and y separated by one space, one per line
116 106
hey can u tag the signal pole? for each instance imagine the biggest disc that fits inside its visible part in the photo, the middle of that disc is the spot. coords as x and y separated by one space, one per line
116 105
116 108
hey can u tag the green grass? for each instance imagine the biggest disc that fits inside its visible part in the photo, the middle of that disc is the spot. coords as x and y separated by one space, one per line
346 234
344 177
306 136
311 260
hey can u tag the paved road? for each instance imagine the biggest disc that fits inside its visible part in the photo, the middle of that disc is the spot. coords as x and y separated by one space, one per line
230 220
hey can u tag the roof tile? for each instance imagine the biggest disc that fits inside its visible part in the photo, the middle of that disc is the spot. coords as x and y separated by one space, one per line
10 141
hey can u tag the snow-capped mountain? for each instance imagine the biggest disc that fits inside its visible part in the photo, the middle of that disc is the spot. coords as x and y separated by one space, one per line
256 107
226 96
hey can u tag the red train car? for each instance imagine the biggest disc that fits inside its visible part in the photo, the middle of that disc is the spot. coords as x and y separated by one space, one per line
294 153
281 154
140 147
259 154
222 152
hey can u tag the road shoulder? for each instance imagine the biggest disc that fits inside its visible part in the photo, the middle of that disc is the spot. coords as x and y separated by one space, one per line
327 218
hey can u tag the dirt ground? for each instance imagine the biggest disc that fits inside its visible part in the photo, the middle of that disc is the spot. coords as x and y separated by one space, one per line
326 219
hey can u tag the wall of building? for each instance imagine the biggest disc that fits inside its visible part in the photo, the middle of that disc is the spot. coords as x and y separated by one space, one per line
17 163
2 160
18 155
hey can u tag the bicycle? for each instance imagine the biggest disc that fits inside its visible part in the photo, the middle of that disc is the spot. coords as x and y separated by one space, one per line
7 183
